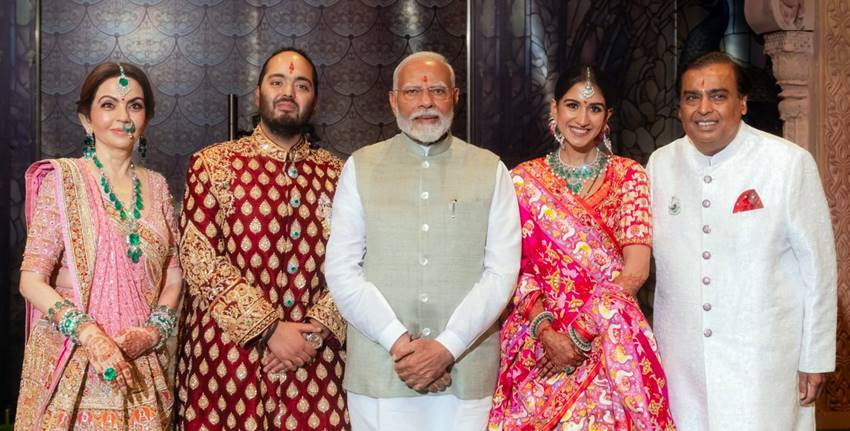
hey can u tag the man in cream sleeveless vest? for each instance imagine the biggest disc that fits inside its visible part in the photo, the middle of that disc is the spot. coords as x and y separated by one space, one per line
423 257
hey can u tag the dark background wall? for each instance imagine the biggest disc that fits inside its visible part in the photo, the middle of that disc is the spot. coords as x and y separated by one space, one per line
198 51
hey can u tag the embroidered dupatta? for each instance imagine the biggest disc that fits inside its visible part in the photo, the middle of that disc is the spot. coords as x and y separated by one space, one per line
570 258
57 391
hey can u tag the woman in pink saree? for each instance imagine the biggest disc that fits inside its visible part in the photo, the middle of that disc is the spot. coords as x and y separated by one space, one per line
100 273
577 353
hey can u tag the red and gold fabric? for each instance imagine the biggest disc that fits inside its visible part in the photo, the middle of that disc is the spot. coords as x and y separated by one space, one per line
571 254
254 223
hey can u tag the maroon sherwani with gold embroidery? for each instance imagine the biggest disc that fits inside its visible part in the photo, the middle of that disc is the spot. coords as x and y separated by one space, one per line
255 222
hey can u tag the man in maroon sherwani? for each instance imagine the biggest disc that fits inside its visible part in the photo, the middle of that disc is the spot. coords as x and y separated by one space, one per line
261 339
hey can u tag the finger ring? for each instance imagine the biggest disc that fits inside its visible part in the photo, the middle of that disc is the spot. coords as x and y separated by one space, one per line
109 374
314 339
569 370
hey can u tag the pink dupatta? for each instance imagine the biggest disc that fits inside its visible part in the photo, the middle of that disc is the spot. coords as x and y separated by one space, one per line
104 282
570 258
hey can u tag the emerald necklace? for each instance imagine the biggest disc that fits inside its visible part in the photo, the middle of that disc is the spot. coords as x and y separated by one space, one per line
575 176
134 251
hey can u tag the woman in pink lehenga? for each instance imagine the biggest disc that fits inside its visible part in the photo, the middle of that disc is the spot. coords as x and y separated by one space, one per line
577 353
100 272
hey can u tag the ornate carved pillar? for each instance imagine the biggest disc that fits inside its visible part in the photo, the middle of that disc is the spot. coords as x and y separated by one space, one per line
809 42
789 41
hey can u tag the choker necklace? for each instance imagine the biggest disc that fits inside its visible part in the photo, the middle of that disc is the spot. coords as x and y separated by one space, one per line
575 176
134 251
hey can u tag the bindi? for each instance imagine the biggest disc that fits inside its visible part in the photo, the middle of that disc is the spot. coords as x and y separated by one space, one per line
425 79
291 67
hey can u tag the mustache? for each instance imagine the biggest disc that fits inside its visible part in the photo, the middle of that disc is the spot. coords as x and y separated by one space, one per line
430 112
286 99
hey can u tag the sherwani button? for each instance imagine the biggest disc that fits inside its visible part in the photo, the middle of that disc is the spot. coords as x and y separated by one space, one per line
426 164
706 306
707 333
707 179
426 332
423 260
424 195
706 280
706 255
706 228
423 297
425 227
706 203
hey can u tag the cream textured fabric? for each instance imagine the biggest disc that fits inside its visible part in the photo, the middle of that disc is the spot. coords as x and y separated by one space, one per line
743 300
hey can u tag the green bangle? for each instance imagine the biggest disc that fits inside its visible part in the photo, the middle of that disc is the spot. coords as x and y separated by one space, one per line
582 345
70 323
538 320
164 320
56 308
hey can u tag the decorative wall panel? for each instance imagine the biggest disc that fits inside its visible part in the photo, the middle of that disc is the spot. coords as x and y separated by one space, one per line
198 51
834 161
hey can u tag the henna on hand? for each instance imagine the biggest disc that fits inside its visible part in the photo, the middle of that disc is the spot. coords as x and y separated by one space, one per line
136 341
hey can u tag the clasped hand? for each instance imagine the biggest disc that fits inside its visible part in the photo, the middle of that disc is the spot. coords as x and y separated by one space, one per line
287 349
559 352
422 364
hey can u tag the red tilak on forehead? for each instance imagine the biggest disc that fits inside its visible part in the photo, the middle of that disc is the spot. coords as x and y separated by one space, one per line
425 79
291 67
702 83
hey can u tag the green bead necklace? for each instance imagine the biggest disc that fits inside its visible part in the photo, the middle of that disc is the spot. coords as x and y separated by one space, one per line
575 176
134 251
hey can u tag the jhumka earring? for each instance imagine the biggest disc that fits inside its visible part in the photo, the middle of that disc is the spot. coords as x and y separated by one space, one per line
143 147
587 91
553 128
88 145
606 139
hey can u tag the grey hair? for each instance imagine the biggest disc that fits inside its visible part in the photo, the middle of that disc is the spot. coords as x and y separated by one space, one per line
422 55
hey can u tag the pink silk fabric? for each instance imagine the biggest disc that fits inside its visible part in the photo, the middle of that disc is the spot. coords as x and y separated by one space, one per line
570 258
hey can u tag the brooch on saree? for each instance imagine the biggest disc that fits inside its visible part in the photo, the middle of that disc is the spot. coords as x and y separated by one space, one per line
675 206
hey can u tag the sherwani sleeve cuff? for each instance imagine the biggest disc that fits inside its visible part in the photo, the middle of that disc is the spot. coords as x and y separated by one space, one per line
242 313
390 334
452 343
325 312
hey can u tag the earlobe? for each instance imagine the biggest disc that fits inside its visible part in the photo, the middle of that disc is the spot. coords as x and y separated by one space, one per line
86 122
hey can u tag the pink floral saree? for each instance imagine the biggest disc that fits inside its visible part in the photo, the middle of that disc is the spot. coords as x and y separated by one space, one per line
572 250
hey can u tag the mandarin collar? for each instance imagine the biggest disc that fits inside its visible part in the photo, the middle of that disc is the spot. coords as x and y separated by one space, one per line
264 145
432 150
730 151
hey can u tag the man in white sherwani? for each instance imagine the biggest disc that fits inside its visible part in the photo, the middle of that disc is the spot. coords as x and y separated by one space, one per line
745 302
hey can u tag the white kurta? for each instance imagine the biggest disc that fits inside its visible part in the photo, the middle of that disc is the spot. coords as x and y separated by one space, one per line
745 300
361 303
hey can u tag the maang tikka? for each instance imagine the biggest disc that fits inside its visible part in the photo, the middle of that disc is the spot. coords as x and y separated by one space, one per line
123 82
587 91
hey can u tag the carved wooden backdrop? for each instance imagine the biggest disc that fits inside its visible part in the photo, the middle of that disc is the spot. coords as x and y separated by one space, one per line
834 159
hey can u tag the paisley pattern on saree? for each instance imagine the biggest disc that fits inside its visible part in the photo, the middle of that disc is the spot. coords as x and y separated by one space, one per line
570 258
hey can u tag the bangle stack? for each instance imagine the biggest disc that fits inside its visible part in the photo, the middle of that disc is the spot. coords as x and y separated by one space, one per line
581 343
164 320
69 324
56 308
546 316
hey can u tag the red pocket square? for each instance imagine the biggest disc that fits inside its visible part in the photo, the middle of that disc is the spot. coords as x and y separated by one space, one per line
747 201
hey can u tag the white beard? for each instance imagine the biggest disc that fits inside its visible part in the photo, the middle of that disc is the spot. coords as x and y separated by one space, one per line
428 133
